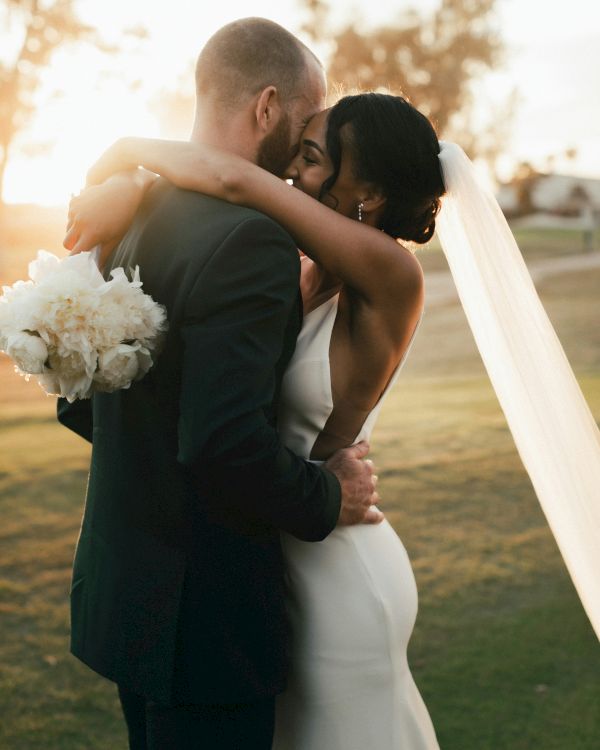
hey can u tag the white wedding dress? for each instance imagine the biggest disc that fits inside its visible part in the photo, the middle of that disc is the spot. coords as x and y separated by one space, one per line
352 599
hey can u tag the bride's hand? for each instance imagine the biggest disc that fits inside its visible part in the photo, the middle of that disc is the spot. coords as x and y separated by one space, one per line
102 214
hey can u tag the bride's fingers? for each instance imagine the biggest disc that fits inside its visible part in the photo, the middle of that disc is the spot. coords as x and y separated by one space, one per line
74 201
71 237
83 244
73 212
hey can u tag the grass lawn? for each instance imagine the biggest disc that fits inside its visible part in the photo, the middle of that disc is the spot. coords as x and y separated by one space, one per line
502 651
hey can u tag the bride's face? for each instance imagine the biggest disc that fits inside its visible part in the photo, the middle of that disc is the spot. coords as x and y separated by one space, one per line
312 166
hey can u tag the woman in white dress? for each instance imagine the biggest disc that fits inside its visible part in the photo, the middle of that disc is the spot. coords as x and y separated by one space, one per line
373 158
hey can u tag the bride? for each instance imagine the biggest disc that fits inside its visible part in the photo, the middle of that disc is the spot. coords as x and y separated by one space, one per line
373 158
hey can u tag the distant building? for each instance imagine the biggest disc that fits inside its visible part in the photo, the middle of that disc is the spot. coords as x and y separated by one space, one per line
562 195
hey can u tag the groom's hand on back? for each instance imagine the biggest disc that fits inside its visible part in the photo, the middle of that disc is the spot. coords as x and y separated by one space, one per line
358 483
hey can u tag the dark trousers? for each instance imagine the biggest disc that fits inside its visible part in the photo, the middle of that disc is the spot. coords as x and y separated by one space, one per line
240 726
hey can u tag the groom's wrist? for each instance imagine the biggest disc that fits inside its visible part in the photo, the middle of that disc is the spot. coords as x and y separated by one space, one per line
333 504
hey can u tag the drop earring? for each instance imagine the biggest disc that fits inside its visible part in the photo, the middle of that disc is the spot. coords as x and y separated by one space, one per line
361 205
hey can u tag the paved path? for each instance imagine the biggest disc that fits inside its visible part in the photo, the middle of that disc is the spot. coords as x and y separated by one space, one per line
440 289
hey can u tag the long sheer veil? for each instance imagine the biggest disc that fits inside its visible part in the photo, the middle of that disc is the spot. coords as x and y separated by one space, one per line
554 431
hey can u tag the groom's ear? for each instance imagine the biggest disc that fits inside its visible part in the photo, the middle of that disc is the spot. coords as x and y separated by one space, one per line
268 109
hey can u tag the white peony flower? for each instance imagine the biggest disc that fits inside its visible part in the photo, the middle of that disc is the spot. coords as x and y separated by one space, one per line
46 264
75 387
117 367
73 365
92 334
28 351
49 383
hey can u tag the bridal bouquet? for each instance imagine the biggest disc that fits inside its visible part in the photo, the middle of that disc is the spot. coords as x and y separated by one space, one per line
76 332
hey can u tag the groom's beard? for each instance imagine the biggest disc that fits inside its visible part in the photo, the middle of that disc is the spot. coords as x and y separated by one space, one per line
275 153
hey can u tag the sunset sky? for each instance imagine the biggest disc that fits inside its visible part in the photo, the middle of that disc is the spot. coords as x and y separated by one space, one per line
86 100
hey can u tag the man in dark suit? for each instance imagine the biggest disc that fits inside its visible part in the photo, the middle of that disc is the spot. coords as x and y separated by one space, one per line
178 576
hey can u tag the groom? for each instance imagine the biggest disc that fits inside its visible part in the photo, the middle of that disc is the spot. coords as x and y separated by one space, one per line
177 592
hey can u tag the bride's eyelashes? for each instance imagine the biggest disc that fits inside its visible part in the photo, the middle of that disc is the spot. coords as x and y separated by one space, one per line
311 153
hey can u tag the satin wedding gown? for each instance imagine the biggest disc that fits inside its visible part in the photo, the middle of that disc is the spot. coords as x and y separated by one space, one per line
352 599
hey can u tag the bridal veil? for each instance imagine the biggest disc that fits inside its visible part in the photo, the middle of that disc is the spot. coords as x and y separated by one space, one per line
555 434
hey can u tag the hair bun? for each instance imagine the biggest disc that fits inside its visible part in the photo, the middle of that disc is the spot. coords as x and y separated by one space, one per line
423 224
405 221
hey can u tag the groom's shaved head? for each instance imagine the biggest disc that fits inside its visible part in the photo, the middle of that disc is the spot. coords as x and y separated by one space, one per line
248 55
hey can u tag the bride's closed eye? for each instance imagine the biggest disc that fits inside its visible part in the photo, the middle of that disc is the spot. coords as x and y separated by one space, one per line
312 151
311 155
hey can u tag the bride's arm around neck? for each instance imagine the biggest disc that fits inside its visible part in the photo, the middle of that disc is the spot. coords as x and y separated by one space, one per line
373 265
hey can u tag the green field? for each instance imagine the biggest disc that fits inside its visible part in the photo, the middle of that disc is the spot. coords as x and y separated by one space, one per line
502 651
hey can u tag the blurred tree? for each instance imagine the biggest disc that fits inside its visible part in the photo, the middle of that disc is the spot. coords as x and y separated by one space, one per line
38 27
316 21
432 59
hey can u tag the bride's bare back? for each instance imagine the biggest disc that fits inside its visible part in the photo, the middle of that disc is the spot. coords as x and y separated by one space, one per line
362 357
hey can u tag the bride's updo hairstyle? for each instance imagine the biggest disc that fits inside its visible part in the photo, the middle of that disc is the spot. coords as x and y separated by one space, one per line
393 146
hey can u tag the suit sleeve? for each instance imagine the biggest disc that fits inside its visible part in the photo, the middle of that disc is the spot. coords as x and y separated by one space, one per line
76 416
233 336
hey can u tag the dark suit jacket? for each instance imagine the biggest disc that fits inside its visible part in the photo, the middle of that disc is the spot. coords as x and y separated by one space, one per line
177 581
